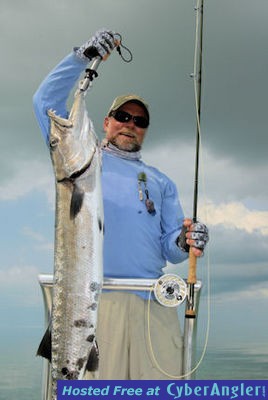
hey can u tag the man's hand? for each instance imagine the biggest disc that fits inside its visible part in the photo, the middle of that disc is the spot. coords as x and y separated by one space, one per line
194 235
100 44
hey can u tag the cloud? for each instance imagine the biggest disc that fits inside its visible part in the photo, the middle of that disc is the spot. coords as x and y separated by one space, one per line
28 176
40 240
222 180
236 215
237 248
19 286
233 121
17 276
238 231
256 292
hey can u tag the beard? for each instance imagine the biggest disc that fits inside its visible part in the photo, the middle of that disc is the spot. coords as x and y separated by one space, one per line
131 146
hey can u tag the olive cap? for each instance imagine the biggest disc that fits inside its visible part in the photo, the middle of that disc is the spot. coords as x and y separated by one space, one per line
121 100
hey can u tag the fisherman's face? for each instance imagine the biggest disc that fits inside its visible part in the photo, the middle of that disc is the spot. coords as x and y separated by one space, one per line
126 135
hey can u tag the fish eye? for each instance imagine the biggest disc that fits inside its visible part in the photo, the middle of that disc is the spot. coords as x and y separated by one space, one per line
53 142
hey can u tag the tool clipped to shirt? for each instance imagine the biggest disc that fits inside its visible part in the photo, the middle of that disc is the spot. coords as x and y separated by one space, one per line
142 185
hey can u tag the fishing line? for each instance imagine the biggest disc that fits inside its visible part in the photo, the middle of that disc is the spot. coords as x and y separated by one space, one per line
195 76
153 353
118 49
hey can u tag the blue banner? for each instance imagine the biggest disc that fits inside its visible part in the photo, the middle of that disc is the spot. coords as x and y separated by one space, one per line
163 390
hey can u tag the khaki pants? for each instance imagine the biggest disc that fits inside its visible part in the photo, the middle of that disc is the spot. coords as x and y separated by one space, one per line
123 340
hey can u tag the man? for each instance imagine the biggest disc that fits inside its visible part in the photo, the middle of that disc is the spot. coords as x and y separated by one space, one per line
144 226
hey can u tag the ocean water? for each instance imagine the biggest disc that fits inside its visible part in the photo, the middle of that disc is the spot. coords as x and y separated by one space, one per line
20 373
248 362
21 370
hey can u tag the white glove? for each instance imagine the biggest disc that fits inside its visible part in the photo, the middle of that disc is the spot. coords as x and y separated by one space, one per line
101 44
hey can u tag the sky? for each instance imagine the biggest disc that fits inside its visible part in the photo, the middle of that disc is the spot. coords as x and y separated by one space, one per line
35 36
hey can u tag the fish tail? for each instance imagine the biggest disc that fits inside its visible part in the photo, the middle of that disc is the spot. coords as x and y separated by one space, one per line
93 359
44 349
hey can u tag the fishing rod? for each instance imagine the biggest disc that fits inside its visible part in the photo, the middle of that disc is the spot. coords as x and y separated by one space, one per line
198 77
190 310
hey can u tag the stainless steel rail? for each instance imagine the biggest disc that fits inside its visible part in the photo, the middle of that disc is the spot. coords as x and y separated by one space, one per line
190 326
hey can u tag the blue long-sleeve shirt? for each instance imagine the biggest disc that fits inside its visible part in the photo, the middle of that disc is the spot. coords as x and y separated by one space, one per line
136 244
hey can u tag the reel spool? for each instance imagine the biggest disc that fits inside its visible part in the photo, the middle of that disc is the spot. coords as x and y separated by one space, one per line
170 290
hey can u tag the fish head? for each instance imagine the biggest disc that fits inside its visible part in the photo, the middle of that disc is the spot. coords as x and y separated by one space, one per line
72 141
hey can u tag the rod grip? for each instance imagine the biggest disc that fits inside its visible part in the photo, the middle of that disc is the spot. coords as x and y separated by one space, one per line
192 268
191 281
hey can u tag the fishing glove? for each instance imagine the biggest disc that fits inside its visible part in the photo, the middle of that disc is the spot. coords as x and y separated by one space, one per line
101 44
198 233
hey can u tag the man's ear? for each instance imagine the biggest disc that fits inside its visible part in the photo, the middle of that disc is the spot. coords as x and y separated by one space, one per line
105 123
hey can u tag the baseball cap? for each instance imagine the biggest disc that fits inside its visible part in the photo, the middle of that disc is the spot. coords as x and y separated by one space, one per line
121 100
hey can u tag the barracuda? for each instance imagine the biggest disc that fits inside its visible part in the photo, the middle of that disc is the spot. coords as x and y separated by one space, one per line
78 272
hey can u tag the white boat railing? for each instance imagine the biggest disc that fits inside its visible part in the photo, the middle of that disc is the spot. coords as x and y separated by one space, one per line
190 325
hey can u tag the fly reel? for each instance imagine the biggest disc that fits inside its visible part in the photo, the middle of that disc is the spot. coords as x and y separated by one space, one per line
170 290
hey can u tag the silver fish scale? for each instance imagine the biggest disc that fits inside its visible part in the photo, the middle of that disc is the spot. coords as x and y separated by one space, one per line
78 244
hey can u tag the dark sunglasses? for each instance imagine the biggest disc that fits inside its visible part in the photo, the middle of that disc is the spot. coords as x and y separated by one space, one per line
123 116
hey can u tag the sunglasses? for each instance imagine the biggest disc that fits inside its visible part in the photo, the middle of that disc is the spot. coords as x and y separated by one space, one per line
123 116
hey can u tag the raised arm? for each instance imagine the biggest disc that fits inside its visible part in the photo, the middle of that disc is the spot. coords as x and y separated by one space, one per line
54 91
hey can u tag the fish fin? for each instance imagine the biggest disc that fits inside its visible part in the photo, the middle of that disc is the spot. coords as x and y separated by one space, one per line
44 349
76 201
93 359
